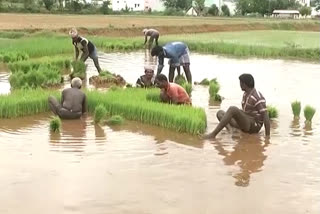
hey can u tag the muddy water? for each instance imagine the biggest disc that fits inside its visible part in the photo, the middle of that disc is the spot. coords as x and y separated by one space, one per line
136 168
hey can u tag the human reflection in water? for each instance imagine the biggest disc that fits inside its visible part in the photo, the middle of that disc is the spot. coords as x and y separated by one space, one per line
248 154
71 138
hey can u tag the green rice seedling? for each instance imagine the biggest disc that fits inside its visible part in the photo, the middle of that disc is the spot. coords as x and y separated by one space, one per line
273 112
214 88
180 79
133 105
115 88
79 69
115 120
13 56
205 81
309 112
187 87
296 108
153 96
25 102
55 124
100 113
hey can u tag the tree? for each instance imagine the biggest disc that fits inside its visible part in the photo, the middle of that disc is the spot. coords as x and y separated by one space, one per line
105 7
75 5
27 4
305 11
199 5
225 10
315 3
177 4
213 10
48 4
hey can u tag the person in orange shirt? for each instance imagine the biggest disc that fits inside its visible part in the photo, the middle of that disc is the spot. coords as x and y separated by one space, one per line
171 92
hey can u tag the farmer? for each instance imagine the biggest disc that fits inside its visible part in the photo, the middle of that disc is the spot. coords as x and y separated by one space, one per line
178 54
253 115
154 35
171 92
86 48
146 80
73 102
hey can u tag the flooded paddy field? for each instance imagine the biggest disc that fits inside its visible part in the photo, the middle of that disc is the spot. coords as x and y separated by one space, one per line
138 168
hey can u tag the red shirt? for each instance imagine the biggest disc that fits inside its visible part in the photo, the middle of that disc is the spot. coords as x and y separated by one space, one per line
177 93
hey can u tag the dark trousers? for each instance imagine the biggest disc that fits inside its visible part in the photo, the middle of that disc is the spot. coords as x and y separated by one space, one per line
63 113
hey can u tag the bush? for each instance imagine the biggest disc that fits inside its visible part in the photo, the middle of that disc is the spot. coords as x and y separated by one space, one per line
173 12
225 10
48 4
213 10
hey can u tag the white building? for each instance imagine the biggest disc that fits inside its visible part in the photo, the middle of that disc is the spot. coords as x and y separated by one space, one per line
137 5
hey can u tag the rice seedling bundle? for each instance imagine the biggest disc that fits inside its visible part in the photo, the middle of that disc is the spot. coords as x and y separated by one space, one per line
44 76
309 112
214 88
26 66
205 81
100 113
296 108
79 69
55 124
187 87
25 102
115 120
180 79
153 96
273 112
7 57
132 104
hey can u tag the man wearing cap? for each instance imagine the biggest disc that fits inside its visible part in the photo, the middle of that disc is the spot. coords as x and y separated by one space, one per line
154 35
86 48
73 102
178 55
146 80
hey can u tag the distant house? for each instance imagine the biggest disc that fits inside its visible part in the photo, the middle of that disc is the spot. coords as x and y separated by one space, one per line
137 5
192 12
294 14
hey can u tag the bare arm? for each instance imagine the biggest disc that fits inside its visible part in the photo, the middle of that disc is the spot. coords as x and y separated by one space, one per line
266 123
160 64
76 51
145 39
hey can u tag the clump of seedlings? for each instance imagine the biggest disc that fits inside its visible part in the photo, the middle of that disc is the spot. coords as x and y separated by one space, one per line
100 113
296 109
180 80
214 88
55 124
107 79
309 112
153 96
44 76
79 69
187 87
7 57
272 112
205 81
115 120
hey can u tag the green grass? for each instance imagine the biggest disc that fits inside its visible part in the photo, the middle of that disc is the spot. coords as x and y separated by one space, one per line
115 120
296 108
100 113
55 124
25 102
309 112
133 105
273 112
153 95
265 44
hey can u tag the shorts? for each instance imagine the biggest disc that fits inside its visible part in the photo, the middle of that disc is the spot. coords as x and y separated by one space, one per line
255 126
94 54
183 60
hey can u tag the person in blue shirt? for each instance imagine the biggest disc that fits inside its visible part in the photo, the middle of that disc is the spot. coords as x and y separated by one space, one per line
178 55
